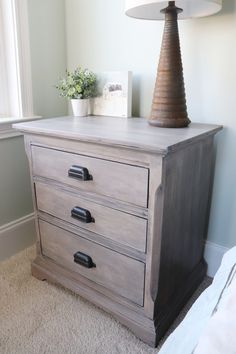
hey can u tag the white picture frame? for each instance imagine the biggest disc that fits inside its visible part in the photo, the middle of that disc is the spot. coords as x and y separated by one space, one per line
114 94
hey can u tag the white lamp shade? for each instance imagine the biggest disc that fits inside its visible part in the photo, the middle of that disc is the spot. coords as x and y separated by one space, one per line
150 9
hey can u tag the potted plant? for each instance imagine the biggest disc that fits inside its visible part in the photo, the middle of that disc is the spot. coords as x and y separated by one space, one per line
79 86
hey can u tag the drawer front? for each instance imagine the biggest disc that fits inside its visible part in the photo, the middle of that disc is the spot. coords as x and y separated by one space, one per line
120 181
113 224
118 273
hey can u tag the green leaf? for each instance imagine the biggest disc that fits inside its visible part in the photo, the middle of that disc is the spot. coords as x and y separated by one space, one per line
81 83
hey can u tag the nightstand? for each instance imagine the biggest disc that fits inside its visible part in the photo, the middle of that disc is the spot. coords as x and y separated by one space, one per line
121 212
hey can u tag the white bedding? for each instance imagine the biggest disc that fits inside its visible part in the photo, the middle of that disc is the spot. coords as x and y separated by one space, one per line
210 325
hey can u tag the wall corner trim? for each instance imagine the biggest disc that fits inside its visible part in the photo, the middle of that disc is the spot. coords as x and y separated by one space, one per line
213 255
17 235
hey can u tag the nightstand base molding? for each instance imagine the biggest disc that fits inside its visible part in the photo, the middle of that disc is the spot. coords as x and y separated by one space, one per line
141 326
148 330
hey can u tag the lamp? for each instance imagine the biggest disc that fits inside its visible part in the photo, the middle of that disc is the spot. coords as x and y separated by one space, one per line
169 108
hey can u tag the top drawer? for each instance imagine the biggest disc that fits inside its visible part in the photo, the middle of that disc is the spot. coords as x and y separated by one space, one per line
117 180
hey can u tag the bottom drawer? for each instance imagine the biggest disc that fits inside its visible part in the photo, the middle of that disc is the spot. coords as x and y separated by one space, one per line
119 273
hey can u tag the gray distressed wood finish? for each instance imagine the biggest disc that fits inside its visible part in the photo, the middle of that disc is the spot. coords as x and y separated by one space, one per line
122 227
55 164
122 274
174 167
133 133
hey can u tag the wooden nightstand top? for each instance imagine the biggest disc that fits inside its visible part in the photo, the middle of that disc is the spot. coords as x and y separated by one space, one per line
133 133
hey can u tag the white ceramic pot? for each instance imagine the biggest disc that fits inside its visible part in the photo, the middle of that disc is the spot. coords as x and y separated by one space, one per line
80 107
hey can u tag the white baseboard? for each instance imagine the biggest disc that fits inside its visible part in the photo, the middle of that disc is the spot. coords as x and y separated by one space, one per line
213 256
17 235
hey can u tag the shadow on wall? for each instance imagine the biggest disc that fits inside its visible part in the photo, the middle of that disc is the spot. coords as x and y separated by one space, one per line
225 225
136 96
228 6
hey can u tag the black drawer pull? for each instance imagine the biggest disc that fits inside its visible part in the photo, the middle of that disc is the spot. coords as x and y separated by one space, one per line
82 215
84 260
79 172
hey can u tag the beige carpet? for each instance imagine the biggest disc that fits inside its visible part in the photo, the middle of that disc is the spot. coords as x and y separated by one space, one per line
40 318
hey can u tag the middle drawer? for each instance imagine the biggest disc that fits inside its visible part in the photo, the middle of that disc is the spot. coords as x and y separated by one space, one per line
121 227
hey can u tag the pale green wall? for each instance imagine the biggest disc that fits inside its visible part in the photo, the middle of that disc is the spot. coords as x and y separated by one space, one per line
211 87
15 192
48 55
101 37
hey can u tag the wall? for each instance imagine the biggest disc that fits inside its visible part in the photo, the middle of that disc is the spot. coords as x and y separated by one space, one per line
15 191
48 54
101 37
16 221
211 87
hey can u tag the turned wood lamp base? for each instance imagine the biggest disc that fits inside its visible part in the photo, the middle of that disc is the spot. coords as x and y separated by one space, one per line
169 108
